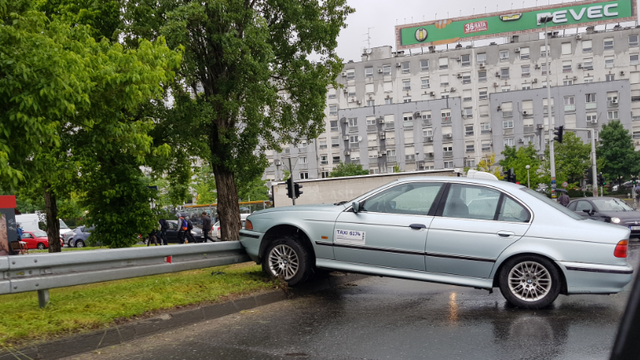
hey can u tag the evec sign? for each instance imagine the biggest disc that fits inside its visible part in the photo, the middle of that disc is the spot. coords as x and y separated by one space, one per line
593 12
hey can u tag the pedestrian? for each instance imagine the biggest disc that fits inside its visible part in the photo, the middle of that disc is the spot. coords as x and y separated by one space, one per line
564 199
206 227
182 229
188 232
164 226
20 231
152 237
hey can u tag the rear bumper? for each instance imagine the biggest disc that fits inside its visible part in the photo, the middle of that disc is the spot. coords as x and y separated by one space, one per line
583 278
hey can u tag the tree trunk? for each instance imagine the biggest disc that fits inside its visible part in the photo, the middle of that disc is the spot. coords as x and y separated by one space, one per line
53 225
228 209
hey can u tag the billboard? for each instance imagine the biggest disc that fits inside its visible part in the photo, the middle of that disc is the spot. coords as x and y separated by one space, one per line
513 22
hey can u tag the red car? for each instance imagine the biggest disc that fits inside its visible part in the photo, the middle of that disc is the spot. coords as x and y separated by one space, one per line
37 239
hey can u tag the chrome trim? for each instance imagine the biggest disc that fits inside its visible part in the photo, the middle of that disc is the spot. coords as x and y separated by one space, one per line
460 257
599 268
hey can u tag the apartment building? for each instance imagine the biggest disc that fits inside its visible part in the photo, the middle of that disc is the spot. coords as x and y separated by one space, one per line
448 109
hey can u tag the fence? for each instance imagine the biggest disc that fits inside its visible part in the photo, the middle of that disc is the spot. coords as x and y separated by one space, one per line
41 272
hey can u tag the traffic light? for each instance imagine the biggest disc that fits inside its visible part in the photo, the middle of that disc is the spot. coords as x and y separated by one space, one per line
601 180
290 187
296 190
559 131
589 176
510 175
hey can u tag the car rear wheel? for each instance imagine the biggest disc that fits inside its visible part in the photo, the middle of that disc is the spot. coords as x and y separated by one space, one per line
529 282
41 246
288 259
79 243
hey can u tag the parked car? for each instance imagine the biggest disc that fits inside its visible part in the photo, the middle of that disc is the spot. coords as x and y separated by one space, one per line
79 236
453 230
172 232
608 209
216 226
37 239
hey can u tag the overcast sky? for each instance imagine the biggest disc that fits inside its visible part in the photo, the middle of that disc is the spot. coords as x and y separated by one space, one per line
379 18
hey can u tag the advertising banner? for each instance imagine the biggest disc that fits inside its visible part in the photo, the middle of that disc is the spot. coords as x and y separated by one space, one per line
505 23
8 230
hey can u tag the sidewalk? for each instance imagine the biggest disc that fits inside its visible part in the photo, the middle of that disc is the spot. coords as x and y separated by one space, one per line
136 329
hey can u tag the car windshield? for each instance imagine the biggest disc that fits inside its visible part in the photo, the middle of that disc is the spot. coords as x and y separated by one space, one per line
553 204
63 225
611 205
39 233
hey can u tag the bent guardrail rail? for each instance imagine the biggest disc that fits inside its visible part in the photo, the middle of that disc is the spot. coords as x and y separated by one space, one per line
41 272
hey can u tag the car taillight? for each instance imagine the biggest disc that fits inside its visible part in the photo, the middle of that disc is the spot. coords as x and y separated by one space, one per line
248 225
621 249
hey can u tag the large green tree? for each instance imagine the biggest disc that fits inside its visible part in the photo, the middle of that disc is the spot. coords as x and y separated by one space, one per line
616 152
350 169
254 76
518 159
572 158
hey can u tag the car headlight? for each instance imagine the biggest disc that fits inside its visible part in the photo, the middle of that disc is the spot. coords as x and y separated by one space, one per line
615 220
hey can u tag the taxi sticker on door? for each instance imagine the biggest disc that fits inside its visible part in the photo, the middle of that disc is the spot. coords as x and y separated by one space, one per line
350 237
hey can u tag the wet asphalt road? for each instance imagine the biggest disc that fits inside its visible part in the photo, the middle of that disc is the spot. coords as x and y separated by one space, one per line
383 318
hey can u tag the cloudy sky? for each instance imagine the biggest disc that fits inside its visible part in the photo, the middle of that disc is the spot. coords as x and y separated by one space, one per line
379 17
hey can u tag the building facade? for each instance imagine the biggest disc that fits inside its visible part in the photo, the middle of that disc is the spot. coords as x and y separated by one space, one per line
451 108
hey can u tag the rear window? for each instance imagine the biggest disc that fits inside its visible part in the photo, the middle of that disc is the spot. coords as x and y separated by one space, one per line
553 204
39 233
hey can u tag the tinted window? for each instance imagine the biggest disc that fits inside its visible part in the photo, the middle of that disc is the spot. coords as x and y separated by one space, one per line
572 206
413 198
512 211
552 203
472 202
583 205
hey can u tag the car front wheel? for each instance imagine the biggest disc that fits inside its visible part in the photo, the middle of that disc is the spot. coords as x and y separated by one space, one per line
41 246
287 259
529 282
80 243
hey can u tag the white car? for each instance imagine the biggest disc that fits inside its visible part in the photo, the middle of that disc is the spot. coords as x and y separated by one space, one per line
216 226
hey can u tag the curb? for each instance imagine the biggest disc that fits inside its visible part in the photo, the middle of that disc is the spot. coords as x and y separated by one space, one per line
95 340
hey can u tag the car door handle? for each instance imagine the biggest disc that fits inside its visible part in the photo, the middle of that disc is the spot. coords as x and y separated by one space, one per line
505 233
417 226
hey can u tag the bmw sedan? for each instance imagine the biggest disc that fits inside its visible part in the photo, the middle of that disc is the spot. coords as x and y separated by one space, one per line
609 210
460 231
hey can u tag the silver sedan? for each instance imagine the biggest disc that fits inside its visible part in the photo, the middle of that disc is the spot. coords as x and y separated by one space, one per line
460 231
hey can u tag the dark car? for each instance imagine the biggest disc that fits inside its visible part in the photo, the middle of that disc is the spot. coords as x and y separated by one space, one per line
79 236
172 233
609 210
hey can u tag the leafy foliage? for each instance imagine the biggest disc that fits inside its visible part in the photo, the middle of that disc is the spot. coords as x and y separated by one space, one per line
518 160
205 186
343 169
616 152
488 164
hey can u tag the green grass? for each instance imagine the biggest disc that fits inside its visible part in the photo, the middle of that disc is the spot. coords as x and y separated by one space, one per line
89 307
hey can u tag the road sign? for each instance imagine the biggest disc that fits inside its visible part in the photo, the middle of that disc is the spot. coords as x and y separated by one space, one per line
565 184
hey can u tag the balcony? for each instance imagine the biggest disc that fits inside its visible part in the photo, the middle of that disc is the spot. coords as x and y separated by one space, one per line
302 150
528 129
485 131
508 131
354 145
409 159
445 120
303 166
591 105
353 129
447 154
612 103
389 125
408 124
592 124
426 122
373 161
428 139
447 137
324 162
335 161
391 159
570 107
372 128
428 156
507 114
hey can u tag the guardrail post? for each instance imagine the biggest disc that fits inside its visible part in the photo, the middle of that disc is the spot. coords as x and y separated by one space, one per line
43 297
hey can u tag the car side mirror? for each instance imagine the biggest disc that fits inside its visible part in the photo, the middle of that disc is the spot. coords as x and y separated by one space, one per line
587 211
356 206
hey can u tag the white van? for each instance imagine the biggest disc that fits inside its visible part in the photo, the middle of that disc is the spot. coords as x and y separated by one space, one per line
29 222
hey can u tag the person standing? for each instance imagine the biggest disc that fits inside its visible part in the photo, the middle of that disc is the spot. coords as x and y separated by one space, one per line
206 227
182 229
564 199
188 232
20 231
164 226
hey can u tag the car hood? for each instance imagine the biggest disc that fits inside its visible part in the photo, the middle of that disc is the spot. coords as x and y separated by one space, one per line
623 215
298 208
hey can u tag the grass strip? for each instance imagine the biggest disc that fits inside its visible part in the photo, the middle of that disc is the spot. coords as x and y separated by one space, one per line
89 307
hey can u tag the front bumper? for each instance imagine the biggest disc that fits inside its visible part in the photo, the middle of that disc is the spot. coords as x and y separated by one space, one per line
251 240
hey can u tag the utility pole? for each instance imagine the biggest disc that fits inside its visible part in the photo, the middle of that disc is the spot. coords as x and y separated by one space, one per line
552 160
291 177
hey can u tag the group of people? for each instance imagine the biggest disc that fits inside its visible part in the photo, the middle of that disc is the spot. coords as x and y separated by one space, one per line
184 230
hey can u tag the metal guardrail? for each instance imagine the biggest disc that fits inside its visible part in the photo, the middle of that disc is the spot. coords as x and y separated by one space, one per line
41 272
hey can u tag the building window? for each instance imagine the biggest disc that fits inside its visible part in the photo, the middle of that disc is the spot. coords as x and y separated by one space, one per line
444 80
388 101
406 85
351 74
443 63
322 144
507 124
335 142
324 174
332 93
569 103
608 62
543 51
526 86
486 146
612 98
609 77
586 46
588 79
386 69
424 83
368 71
444 95
633 40
524 53
304 175
334 125
371 102
506 88
608 44
335 160
481 58
508 142
470 148
466 78
566 82
482 75
528 139
633 59
302 160
526 70
467 112
465 60
405 67
483 94
333 109
485 128
468 130
592 118
353 122
424 65
504 73
448 164
466 95
566 49
543 69
590 100
612 115
470 163
406 99
587 64
566 66
504 55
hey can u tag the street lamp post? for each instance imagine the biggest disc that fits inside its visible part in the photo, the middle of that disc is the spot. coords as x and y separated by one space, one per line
528 182
552 161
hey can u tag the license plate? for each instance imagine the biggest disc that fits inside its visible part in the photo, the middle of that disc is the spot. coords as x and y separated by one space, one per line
634 227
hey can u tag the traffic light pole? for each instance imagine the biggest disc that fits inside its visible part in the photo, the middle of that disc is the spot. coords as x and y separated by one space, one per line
293 198
552 160
594 166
